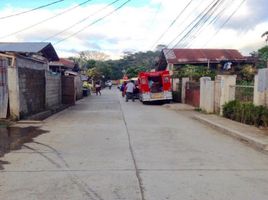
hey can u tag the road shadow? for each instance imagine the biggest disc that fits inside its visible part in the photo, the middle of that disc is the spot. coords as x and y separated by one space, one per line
13 138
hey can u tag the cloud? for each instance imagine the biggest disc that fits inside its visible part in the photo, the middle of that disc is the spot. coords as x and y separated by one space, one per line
137 27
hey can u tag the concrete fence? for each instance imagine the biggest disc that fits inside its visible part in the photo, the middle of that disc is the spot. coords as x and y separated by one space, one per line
53 90
214 94
261 88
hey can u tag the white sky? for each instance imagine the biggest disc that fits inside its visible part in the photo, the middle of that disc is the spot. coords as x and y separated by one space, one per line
137 26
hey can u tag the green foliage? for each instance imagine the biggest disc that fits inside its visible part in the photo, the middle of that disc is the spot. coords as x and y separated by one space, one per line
134 71
194 72
94 74
246 113
247 73
131 63
263 57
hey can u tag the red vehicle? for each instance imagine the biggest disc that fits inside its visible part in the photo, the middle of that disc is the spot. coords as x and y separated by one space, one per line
155 86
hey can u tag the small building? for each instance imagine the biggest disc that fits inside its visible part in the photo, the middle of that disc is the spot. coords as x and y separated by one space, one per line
61 65
27 78
171 59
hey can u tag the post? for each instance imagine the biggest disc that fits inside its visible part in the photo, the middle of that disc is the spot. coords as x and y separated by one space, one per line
13 90
207 94
227 93
183 91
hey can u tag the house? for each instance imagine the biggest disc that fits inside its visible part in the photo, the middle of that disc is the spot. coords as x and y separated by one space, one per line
72 79
29 90
61 65
171 59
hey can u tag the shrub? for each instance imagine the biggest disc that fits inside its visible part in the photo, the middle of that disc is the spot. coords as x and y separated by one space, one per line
246 113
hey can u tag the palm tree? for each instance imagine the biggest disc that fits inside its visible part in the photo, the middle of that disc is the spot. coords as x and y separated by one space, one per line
265 34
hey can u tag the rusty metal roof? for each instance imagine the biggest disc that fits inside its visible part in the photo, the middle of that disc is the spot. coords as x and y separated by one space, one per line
187 56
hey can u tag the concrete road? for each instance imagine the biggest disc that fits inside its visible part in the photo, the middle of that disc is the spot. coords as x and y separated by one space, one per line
106 149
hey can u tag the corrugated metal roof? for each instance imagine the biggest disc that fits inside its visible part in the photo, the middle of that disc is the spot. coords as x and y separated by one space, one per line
63 62
184 56
45 48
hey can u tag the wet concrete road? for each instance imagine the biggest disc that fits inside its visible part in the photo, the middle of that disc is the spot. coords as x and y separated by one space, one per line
106 149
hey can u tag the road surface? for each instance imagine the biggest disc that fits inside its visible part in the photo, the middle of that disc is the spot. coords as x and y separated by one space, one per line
106 149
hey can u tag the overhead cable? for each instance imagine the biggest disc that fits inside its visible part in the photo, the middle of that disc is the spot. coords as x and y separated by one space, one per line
198 22
191 23
45 20
199 27
80 21
94 22
226 21
27 11
212 21
172 23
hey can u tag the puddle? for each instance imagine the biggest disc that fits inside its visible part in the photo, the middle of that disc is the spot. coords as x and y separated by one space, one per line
13 138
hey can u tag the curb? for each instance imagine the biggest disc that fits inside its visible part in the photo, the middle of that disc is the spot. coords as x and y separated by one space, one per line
252 141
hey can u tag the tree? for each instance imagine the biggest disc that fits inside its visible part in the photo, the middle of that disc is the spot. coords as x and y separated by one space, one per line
265 34
94 74
93 55
263 57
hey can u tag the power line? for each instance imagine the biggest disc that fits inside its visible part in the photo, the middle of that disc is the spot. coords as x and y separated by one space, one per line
188 26
94 22
226 21
80 21
45 20
216 18
172 23
199 21
203 23
27 11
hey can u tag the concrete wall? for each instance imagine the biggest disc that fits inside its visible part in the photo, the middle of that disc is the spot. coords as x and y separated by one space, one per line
222 88
31 81
207 94
261 88
53 90
78 87
175 84
31 91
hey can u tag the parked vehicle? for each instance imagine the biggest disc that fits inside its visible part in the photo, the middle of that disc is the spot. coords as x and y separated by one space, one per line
155 86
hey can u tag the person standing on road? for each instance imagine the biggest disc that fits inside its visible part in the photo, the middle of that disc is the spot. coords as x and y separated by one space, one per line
98 88
129 91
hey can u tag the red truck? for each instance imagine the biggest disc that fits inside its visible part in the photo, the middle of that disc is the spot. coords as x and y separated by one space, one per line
155 86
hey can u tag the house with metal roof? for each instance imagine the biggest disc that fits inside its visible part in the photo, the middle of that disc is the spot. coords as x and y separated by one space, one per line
61 65
212 58
31 89
30 49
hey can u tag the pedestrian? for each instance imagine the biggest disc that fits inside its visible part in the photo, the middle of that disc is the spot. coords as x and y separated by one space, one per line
130 90
122 88
98 88
110 84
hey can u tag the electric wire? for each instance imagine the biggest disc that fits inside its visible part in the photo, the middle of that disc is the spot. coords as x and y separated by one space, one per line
172 23
212 21
94 22
207 20
226 21
80 21
34 9
198 22
191 24
45 20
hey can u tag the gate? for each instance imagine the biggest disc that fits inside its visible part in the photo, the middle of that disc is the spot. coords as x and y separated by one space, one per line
192 96
3 88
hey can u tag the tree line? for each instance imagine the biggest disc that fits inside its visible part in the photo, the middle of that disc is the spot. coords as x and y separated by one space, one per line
97 65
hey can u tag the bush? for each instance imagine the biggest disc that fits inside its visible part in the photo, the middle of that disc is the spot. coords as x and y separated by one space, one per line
246 113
